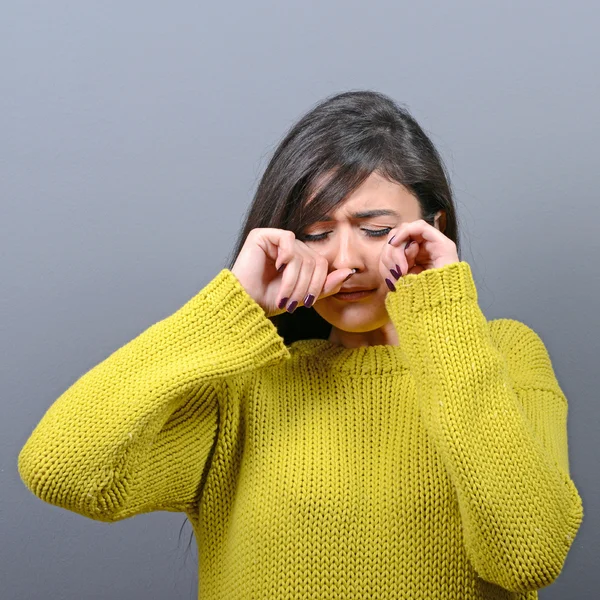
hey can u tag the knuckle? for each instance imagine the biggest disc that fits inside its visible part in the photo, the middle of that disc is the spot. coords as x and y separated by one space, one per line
310 261
322 263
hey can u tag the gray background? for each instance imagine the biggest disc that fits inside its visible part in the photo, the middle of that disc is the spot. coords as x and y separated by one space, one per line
133 135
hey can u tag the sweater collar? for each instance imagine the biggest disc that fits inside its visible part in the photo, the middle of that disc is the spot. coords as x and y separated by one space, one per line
377 360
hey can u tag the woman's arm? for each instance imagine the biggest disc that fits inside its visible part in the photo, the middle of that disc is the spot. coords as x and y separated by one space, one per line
133 434
490 399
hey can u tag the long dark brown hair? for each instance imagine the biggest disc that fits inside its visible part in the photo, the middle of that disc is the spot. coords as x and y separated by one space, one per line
342 140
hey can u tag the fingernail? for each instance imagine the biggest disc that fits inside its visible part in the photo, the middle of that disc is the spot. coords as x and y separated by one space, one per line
390 285
399 270
281 268
408 244
292 307
282 302
396 275
353 271
309 300
391 239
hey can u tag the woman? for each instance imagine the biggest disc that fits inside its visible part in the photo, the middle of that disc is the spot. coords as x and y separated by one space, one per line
324 443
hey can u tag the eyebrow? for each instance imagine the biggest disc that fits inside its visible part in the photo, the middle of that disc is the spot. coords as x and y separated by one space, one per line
367 214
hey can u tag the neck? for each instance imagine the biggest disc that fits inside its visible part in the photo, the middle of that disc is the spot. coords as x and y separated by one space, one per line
383 336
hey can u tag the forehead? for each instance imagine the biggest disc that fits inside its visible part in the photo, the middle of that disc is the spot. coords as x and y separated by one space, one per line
375 194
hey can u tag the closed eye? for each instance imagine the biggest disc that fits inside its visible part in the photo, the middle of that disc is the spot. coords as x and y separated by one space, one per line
369 232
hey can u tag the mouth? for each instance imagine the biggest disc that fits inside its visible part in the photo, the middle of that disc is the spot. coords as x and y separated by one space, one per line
348 296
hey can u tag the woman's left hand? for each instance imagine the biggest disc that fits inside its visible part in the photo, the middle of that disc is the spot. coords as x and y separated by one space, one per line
429 249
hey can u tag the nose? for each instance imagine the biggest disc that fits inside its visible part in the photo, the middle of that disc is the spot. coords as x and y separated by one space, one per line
346 250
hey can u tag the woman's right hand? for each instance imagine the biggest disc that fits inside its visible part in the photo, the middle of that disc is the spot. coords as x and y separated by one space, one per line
264 251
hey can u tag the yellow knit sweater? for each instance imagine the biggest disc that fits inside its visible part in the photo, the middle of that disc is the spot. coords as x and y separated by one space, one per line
433 469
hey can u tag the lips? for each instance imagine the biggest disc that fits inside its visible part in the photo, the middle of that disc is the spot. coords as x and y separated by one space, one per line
356 289
354 296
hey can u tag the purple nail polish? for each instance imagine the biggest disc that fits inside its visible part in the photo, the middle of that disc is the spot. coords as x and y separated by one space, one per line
281 268
309 300
292 307
391 239
390 285
399 270
282 302
394 273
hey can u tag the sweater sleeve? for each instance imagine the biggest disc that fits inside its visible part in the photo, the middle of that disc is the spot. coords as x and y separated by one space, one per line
134 433
493 407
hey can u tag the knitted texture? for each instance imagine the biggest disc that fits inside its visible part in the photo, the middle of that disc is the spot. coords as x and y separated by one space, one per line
437 468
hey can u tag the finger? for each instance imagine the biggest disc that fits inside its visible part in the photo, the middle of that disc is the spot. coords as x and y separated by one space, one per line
411 253
317 282
289 282
335 280
393 272
323 284
307 265
287 256
284 241
394 265
420 233
418 230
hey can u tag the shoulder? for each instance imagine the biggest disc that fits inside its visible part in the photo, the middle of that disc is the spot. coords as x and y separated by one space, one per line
527 357
514 336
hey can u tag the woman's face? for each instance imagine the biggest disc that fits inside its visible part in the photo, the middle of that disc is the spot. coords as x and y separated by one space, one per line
348 241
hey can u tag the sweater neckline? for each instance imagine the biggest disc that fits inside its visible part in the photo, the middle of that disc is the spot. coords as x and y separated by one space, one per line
376 360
